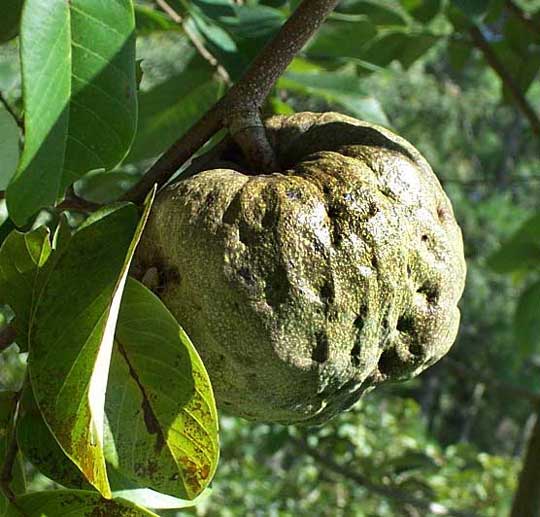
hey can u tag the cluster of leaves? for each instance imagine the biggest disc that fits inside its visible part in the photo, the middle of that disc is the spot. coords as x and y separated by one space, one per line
384 440
115 398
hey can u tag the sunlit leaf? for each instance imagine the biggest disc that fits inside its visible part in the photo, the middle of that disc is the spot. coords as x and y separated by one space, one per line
160 405
78 67
9 147
72 332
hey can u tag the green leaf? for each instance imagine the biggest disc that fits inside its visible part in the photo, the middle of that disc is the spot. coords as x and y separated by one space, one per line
72 331
212 32
343 88
40 447
341 39
9 147
160 405
522 64
148 20
521 252
73 503
472 8
405 47
157 501
8 403
378 13
105 187
22 257
169 109
527 320
9 21
214 9
246 30
459 52
79 87
251 28
422 10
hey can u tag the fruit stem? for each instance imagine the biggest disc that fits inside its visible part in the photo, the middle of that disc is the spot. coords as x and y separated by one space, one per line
247 95
247 130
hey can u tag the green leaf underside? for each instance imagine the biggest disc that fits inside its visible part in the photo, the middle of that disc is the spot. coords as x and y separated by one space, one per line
78 67
9 21
527 322
7 410
161 414
74 503
9 147
72 331
169 109
521 252
22 256
41 449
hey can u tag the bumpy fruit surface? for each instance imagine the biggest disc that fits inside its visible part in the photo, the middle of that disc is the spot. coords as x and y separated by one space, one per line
303 288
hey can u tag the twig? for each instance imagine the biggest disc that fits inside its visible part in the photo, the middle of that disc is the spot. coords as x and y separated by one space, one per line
388 492
7 337
521 101
11 111
248 94
526 501
505 387
523 17
197 43
71 203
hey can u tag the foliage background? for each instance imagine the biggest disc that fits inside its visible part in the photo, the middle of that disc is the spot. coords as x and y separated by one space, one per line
455 435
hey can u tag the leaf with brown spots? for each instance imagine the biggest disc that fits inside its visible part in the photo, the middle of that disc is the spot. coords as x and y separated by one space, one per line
72 332
73 503
160 406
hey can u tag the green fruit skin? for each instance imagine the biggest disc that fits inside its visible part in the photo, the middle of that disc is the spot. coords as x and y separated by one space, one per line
304 288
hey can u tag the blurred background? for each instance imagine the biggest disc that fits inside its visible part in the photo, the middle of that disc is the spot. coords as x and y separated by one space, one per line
459 80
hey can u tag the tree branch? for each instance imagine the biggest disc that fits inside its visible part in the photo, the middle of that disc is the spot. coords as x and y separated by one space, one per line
385 491
504 387
72 202
491 57
523 17
248 94
527 497
10 110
